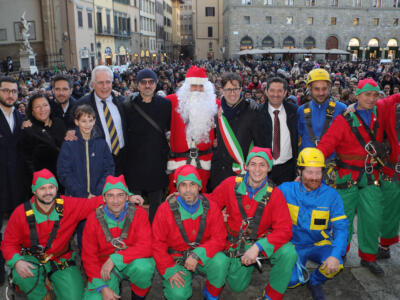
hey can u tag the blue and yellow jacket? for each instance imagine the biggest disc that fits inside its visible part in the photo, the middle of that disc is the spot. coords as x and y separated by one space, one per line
318 217
318 115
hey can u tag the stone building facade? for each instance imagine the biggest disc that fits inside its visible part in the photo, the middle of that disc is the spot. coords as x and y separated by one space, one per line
367 29
208 29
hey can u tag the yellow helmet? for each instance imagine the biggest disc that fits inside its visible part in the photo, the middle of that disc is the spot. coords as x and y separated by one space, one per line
311 157
317 74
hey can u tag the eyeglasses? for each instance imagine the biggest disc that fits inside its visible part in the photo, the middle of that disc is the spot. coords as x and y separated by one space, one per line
145 82
235 90
8 91
117 196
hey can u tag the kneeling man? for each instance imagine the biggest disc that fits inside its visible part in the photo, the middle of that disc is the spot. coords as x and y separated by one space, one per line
188 235
117 245
319 223
258 225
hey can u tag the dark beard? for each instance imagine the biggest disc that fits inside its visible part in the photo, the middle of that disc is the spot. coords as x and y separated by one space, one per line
5 103
44 202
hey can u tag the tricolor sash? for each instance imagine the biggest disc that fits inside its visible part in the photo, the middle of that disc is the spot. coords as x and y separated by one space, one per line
232 145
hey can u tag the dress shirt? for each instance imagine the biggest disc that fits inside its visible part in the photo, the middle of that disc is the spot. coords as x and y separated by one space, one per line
9 118
286 147
116 119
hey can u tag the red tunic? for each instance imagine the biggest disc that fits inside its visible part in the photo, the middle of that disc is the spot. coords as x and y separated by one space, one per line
178 144
339 137
166 235
275 220
95 249
387 110
17 234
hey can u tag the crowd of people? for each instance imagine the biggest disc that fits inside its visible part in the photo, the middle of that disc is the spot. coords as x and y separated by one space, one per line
261 160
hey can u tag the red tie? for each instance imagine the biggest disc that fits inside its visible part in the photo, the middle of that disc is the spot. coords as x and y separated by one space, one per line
276 150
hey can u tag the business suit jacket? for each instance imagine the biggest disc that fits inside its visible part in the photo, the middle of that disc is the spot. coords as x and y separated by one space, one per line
291 122
11 171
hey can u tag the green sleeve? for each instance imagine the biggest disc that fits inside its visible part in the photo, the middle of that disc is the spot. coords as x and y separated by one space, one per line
171 271
201 252
13 260
118 261
267 247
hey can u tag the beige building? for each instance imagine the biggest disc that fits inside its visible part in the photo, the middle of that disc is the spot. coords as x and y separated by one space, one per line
207 29
105 44
176 29
45 31
168 28
187 29
148 45
79 34
125 29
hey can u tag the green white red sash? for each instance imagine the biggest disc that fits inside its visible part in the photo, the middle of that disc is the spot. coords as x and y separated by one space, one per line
232 145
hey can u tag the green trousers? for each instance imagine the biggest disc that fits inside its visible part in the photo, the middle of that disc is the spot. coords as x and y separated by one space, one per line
215 271
366 201
34 288
139 273
283 261
391 213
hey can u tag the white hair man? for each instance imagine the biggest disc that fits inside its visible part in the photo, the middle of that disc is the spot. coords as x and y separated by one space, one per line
194 108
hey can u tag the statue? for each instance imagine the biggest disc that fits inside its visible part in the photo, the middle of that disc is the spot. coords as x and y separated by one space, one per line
26 47
26 55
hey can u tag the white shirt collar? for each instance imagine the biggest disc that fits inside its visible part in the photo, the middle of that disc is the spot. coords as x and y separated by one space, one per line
97 98
272 109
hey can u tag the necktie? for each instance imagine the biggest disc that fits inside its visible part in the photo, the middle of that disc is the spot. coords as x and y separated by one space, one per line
111 129
276 149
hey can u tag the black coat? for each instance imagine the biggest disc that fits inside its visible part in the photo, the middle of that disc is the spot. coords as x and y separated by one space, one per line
147 149
291 121
68 116
11 172
118 101
39 146
248 127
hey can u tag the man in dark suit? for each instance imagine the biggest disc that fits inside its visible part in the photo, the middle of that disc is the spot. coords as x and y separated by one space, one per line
110 117
10 167
63 104
281 130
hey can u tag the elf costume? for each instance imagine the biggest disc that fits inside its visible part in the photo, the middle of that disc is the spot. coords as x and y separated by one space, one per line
390 109
258 216
183 149
181 230
42 240
125 239
357 138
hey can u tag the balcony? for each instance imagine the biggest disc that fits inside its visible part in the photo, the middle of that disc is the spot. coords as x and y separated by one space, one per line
123 34
106 31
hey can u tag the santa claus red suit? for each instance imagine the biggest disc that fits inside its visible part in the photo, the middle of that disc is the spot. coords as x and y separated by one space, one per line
194 107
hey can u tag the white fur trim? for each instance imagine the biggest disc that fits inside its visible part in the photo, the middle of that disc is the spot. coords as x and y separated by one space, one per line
172 165
196 80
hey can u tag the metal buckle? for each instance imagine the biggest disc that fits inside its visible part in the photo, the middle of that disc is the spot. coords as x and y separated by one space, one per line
193 245
369 168
117 243
193 153
317 142
397 168
370 149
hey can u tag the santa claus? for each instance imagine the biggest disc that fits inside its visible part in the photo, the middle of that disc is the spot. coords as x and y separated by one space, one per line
194 108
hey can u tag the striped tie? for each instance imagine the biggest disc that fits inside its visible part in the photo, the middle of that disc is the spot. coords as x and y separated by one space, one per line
111 129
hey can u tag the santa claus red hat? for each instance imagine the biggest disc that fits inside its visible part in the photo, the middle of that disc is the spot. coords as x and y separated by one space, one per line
196 75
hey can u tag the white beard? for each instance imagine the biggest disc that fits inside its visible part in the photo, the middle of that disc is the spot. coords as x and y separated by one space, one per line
197 110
